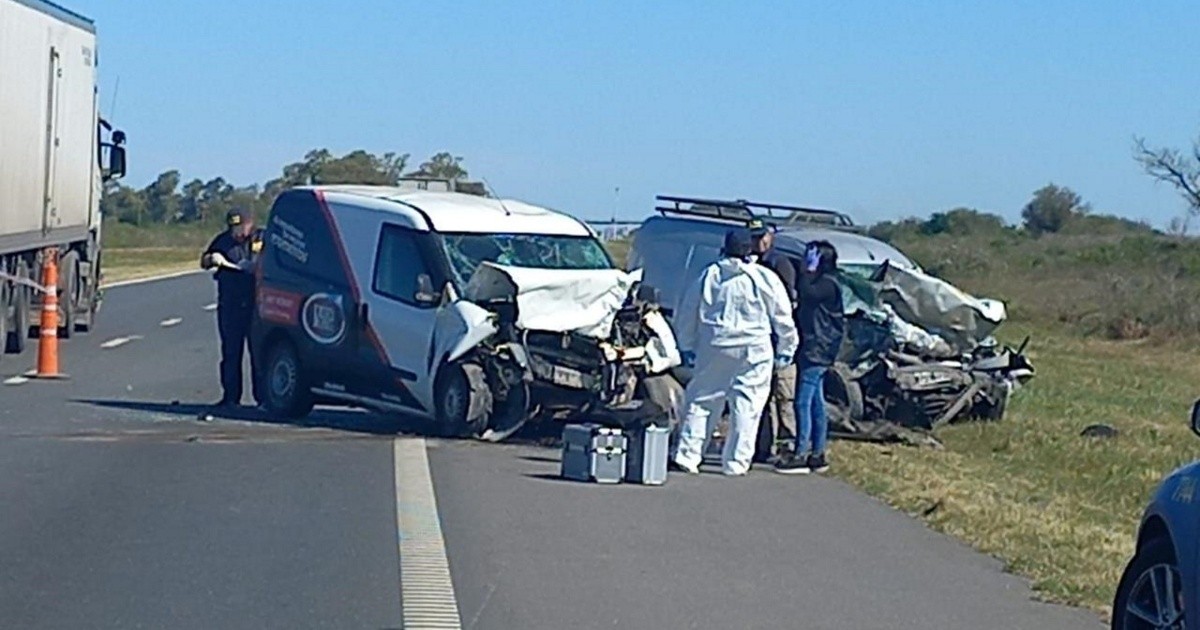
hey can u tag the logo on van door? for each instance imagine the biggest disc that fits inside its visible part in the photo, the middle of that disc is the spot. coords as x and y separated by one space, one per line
324 318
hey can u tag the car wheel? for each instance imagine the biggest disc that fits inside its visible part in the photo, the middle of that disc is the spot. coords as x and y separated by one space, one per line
463 401
844 394
1150 595
287 391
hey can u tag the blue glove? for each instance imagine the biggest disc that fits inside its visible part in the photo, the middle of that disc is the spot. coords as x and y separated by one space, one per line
782 362
812 259
689 358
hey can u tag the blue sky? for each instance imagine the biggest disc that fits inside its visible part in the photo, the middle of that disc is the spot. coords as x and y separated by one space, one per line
881 109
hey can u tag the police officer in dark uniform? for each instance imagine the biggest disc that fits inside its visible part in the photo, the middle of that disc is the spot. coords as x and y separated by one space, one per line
233 254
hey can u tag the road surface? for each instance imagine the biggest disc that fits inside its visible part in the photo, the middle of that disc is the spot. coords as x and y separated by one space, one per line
122 510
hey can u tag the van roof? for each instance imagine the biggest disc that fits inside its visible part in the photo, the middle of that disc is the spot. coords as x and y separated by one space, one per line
459 212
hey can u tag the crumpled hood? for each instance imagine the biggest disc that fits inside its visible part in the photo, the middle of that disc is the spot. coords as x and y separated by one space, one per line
940 307
556 300
922 310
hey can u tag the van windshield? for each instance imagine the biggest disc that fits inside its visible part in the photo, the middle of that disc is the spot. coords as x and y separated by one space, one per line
542 251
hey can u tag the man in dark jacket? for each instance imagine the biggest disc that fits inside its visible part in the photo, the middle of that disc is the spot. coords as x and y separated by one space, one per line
233 254
777 433
822 328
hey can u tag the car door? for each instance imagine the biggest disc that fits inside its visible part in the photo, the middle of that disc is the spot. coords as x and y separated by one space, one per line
398 316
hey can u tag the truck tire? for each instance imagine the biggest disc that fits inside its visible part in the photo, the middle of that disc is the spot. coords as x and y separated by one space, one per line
286 388
5 316
18 335
68 294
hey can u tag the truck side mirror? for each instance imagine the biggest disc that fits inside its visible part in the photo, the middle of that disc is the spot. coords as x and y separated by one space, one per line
1196 418
425 294
116 162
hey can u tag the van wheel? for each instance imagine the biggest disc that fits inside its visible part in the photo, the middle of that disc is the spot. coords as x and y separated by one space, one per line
463 401
286 388
665 392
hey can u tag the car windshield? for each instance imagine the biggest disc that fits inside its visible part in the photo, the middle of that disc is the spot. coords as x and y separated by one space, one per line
542 251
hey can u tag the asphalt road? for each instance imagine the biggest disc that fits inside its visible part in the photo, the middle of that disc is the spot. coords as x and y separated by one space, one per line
121 510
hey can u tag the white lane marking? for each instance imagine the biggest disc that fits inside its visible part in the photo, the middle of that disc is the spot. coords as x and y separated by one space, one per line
426 590
119 341
210 307
16 380
165 276
167 323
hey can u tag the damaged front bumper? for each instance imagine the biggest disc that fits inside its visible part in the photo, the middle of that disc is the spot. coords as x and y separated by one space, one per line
554 343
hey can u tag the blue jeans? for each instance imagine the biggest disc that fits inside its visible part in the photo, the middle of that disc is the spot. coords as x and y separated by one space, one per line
812 427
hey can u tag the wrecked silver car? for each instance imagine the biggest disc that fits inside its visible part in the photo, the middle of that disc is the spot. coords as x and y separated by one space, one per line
918 352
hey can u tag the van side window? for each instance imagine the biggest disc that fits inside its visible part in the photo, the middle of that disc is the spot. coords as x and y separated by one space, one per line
399 263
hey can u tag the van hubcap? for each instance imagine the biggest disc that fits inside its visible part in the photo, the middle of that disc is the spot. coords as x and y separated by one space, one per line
454 403
1156 600
283 380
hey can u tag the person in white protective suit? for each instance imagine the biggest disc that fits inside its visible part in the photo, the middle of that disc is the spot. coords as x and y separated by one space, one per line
724 325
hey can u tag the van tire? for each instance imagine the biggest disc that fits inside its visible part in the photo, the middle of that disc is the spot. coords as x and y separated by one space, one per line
462 402
285 388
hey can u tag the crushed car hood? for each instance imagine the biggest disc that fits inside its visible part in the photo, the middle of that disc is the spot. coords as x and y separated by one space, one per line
585 301
922 311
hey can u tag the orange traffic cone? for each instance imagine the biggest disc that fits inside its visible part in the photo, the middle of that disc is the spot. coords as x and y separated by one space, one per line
47 362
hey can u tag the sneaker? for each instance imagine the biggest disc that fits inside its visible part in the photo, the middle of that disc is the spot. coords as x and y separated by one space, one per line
817 463
793 465
678 467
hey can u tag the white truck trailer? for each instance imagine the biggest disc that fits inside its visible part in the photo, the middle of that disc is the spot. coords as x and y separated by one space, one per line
53 161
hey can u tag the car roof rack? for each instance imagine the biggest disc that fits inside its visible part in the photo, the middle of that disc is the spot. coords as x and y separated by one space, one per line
743 211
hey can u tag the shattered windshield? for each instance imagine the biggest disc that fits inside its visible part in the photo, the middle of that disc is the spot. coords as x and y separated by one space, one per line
542 251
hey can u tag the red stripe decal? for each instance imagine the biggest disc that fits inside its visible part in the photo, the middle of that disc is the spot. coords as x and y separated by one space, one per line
349 271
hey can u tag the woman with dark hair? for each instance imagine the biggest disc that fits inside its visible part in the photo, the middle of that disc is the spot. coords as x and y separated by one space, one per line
822 327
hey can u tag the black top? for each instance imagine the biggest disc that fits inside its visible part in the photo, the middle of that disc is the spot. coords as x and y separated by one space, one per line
820 319
783 268
235 288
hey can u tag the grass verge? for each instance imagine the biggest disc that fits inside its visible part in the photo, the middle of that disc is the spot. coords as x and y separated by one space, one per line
1056 507
133 263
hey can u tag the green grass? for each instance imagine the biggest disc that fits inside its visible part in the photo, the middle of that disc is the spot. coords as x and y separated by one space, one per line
1056 507
131 263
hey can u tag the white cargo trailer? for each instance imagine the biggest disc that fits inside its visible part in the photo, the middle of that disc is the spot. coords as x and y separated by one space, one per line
53 162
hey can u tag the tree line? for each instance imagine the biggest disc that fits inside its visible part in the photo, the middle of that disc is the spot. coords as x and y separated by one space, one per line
169 200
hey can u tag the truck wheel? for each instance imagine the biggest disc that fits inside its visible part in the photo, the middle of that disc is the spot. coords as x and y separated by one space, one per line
68 294
18 335
286 388
5 316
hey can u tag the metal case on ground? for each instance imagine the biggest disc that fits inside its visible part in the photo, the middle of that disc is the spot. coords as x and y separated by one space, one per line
591 452
646 462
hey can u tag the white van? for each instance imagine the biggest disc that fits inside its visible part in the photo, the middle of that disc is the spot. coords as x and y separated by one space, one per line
479 313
